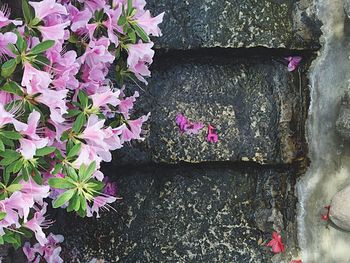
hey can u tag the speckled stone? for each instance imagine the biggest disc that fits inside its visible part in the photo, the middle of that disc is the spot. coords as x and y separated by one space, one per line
188 214
256 105
343 122
230 23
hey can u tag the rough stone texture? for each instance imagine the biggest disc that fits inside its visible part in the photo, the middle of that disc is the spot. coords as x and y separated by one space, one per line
255 103
347 7
230 23
339 212
188 214
343 122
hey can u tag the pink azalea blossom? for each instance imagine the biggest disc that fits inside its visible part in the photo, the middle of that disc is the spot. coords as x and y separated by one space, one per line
186 126
4 18
35 80
293 62
98 203
276 243
13 207
140 56
126 104
102 99
79 19
150 24
47 7
55 32
49 251
110 187
37 223
94 133
212 136
133 129
5 39
97 52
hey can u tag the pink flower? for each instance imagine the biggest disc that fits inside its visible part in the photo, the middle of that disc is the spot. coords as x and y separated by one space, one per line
86 156
296 261
132 131
94 133
13 206
140 56
212 136
4 18
126 104
5 39
150 24
55 32
111 24
110 187
276 243
293 62
187 126
37 223
100 202
97 52
50 251
35 80
5 117
47 7
28 147
102 99
79 18
56 101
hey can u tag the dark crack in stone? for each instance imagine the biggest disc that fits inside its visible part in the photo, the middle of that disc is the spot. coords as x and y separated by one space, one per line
255 104
188 214
235 23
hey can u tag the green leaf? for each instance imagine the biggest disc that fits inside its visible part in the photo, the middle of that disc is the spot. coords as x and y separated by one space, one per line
13 135
60 183
83 99
130 7
58 168
9 153
63 198
72 173
37 177
8 68
122 21
2 146
79 122
89 171
13 48
2 215
42 47
26 172
14 187
45 151
12 87
74 151
18 166
132 36
141 33
73 113
41 60
9 160
27 13
21 43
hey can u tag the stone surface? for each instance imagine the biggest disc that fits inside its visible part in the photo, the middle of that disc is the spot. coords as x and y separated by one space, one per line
230 23
343 122
210 213
339 212
257 106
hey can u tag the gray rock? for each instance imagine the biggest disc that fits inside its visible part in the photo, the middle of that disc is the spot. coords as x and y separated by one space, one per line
244 23
343 122
339 212
256 105
347 7
189 214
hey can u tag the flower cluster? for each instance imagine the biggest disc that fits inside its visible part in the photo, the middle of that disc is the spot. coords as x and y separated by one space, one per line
60 115
189 127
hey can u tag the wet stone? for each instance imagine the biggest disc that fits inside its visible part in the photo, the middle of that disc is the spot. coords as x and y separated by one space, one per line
339 212
230 23
343 122
188 214
256 105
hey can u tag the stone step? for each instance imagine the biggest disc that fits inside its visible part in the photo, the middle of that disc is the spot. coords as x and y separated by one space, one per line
186 214
195 24
257 106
